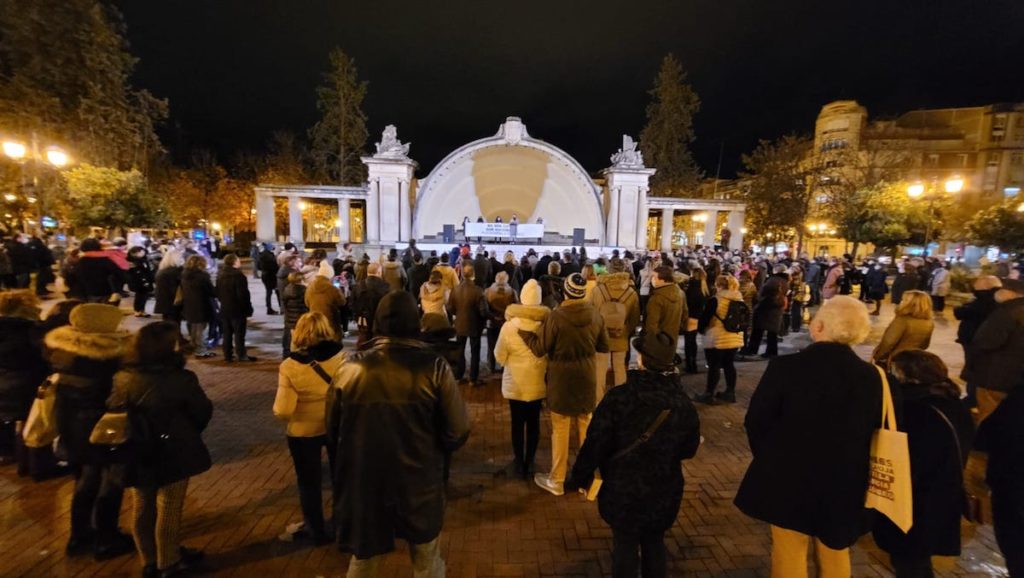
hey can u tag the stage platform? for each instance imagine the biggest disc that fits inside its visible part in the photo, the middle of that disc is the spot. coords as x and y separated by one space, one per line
498 249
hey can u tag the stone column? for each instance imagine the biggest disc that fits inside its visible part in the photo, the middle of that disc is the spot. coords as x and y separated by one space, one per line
710 228
626 224
372 225
666 229
641 219
405 211
295 221
265 228
611 235
344 232
389 213
735 224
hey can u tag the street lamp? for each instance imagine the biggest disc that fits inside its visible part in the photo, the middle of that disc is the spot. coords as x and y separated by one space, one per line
56 157
952 185
25 154
14 149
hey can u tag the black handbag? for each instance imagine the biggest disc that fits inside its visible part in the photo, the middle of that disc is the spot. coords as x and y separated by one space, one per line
971 508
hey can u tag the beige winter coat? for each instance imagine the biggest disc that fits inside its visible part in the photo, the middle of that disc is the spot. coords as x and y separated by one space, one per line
523 379
715 336
433 298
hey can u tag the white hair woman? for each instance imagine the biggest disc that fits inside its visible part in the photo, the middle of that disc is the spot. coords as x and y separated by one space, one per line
809 425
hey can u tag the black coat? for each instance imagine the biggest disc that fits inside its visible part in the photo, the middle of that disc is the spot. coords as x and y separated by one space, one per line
973 314
197 296
1001 434
875 283
369 292
809 424
85 364
22 367
695 300
994 360
166 288
140 275
98 277
293 299
643 489
418 275
771 299
268 268
233 293
393 414
936 470
904 282
173 404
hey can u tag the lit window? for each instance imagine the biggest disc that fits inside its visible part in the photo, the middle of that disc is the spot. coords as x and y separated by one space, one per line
1011 191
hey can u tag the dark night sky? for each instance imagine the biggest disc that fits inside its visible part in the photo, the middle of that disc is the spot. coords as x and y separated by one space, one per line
577 72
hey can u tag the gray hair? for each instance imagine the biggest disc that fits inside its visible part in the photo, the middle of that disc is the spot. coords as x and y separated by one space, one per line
843 319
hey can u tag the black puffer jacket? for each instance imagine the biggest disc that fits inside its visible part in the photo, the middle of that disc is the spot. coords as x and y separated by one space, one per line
643 489
393 413
294 300
85 364
177 410
22 367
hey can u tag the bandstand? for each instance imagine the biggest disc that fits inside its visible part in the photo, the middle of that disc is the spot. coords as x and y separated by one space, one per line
511 174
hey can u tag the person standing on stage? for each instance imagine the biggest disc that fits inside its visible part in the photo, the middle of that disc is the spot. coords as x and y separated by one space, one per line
513 225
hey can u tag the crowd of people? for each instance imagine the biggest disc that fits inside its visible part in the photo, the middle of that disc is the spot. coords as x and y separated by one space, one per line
595 339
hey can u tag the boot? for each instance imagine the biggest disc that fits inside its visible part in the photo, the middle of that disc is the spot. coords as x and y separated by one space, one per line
708 397
728 396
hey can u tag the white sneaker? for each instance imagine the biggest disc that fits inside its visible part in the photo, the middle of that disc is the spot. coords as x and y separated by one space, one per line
545 483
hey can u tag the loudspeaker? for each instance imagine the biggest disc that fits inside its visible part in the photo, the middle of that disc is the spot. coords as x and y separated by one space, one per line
449 234
578 236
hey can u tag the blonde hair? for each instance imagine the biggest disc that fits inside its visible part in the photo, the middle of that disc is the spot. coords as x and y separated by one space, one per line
727 282
843 319
916 304
310 329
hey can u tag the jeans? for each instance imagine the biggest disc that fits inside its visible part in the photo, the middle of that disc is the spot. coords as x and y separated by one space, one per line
1008 523
139 303
96 503
912 566
426 562
306 454
474 356
721 359
646 553
525 422
157 522
789 556
492 339
560 426
234 337
195 333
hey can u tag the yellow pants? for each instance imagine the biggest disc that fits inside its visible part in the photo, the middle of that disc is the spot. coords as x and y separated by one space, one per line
617 359
560 426
789 556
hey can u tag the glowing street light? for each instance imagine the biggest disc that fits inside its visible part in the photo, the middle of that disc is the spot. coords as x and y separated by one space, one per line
915 190
1020 208
56 157
14 149
954 185
10 198
216 226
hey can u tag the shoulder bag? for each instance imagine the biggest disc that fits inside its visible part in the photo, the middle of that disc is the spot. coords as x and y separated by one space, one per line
41 425
595 486
889 486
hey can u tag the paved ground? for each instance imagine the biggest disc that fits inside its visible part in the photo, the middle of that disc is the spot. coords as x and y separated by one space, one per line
494 526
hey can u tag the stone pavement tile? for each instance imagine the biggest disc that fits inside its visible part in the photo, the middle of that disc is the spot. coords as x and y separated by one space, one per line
494 526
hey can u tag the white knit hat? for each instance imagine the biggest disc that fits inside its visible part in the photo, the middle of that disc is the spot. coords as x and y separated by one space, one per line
326 270
531 293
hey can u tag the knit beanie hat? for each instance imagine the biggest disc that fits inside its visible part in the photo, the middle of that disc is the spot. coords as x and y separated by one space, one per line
575 286
531 293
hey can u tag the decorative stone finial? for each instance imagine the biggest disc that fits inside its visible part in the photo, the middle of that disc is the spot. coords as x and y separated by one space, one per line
513 130
390 147
628 156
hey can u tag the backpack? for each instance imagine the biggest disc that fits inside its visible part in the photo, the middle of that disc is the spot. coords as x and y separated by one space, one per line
737 317
614 314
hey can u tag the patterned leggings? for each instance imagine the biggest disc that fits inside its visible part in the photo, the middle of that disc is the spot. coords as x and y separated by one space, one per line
157 522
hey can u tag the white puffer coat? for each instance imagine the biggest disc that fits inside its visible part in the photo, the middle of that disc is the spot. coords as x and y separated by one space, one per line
523 379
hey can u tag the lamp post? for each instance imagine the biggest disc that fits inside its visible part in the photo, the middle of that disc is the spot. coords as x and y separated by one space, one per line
31 154
919 190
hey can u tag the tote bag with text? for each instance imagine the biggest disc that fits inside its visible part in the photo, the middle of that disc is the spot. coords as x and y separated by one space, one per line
889 487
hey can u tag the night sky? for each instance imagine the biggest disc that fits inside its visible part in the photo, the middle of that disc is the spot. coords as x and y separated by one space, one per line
577 72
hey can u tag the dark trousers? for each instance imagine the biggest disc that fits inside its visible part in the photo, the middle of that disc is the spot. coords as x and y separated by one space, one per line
271 288
690 350
492 339
757 333
43 278
474 356
912 566
96 503
1008 523
525 428
721 359
234 337
646 553
306 456
139 303
938 303
796 312
286 341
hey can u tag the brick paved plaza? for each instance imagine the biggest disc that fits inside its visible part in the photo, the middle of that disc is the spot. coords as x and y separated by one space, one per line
494 526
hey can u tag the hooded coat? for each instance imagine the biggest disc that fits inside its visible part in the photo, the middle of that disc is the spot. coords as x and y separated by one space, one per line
523 379
394 275
666 310
643 489
618 287
85 364
394 411
434 298
810 439
324 298
570 337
